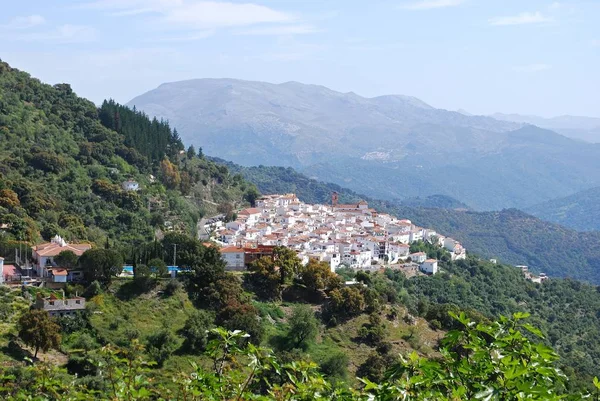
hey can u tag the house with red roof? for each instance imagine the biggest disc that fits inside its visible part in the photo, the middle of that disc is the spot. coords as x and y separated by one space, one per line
44 254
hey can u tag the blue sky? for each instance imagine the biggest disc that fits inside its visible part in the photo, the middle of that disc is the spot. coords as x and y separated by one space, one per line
485 56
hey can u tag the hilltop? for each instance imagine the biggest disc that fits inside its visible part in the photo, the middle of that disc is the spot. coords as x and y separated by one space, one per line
391 147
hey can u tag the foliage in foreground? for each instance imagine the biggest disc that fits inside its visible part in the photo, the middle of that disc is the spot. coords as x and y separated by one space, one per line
494 361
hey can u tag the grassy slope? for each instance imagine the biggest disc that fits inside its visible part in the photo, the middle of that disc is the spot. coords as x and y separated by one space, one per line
114 319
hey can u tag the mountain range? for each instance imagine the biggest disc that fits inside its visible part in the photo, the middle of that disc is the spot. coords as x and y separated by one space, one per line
391 147
582 128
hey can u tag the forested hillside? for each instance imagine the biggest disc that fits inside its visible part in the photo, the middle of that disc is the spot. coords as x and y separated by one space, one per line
63 162
517 238
580 211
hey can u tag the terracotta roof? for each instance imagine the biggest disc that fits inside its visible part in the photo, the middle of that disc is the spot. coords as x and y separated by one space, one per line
249 211
232 249
430 260
59 272
53 249
9 270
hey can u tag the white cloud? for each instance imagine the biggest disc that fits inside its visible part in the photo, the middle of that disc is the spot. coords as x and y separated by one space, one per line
532 68
521 19
431 4
595 42
555 6
192 37
195 14
209 14
281 30
62 34
24 22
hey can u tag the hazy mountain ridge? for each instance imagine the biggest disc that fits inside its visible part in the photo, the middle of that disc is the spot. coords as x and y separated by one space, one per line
580 211
391 147
576 127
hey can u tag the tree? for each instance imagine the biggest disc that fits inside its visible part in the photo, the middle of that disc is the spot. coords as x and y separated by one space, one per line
303 326
373 332
335 366
264 278
195 331
251 195
191 152
169 174
206 271
67 259
161 345
101 264
287 261
344 303
318 275
37 330
200 153
238 316
158 267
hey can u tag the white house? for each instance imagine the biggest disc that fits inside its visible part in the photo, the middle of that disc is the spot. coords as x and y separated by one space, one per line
418 257
234 258
429 266
450 244
1 270
397 251
251 215
130 185
358 259
44 254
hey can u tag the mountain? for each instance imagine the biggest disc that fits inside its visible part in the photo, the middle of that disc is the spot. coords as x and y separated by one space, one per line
581 128
63 162
392 147
580 211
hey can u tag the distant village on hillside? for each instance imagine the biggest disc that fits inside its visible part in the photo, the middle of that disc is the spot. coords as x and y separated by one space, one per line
343 235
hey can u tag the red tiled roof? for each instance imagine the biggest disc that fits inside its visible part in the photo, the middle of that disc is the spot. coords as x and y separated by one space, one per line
53 249
232 249
59 272
9 270
249 211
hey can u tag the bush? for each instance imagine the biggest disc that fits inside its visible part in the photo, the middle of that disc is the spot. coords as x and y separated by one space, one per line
303 327
161 345
172 287
195 331
335 366
92 290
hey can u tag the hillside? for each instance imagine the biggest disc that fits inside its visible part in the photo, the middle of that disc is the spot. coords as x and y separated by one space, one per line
517 238
581 128
392 147
63 162
279 180
580 211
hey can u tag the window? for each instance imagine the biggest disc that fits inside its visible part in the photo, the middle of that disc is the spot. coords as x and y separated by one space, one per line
78 302
51 302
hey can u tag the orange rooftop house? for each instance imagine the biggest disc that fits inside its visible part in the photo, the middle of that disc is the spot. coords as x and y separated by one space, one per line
44 254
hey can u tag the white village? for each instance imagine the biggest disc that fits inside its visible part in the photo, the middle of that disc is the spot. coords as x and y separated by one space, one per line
343 235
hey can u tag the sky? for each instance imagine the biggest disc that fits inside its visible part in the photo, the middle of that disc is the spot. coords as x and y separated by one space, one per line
484 56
